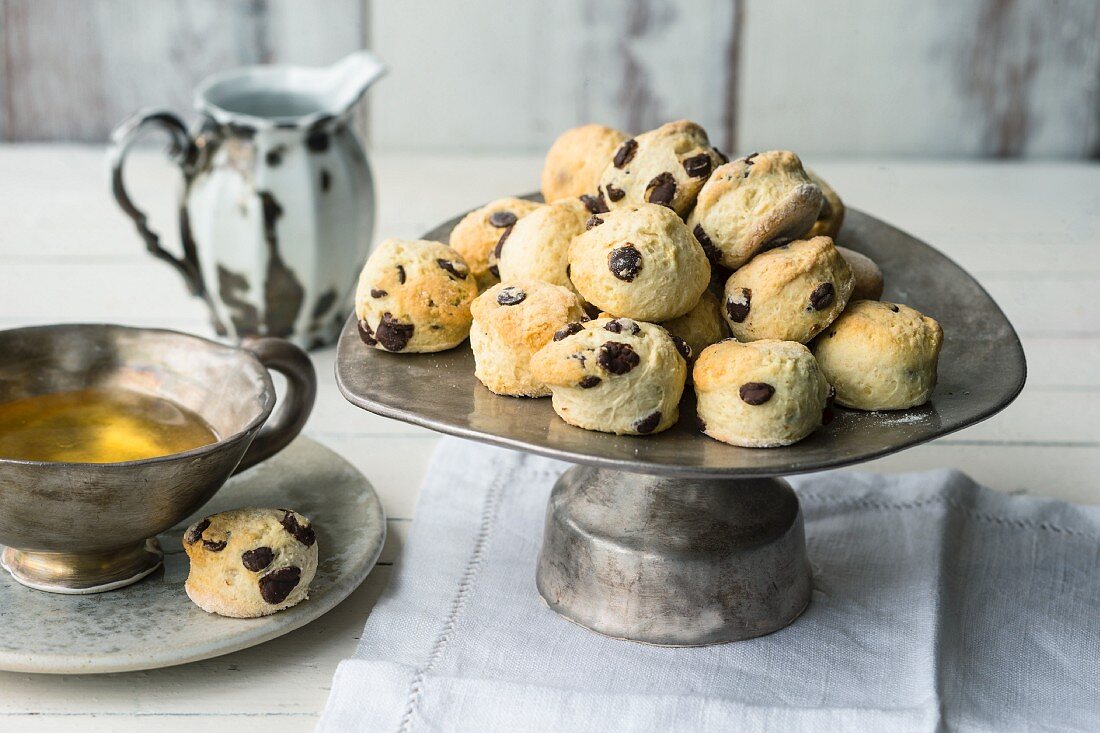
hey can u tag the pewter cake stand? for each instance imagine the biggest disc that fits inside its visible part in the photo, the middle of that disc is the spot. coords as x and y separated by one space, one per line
677 539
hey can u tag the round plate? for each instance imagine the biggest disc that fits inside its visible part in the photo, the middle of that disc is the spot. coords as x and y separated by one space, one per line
153 624
981 370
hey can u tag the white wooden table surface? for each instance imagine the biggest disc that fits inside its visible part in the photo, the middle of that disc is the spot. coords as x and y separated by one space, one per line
1029 232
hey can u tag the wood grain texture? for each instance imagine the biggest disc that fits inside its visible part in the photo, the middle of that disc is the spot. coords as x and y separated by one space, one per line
73 70
943 78
517 74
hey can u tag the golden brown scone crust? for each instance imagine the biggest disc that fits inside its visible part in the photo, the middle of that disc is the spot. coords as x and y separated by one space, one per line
576 160
479 232
790 293
880 356
513 320
414 296
754 202
665 166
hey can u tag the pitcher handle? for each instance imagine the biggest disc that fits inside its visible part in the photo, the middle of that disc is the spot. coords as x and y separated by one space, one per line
183 152
301 390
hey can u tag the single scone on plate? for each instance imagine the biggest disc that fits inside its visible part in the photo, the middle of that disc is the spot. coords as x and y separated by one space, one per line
762 394
881 356
250 562
614 375
512 321
414 296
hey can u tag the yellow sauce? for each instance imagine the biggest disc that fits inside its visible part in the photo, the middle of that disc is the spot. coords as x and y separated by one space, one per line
98 426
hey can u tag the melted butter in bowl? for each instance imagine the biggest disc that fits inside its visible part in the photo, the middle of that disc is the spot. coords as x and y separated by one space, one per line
98 426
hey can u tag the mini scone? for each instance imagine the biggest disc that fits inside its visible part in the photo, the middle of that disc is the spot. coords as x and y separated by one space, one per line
666 166
755 202
831 216
414 296
866 275
250 562
614 375
513 320
479 232
880 356
790 293
762 394
576 160
538 247
701 326
639 262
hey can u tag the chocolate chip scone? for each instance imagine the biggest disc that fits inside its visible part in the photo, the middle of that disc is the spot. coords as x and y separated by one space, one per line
762 394
752 203
414 296
576 160
480 231
512 321
639 262
701 326
790 293
831 216
666 166
866 276
538 247
614 375
250 562
880 356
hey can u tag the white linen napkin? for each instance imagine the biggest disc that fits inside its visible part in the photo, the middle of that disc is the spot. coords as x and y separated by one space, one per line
937 604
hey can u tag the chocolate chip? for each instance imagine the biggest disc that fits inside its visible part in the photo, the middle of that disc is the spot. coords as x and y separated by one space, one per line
501 219
617 358
700 422
721 156
822 296
648 423
302 532
277 585
594 221
511 296
625 262
401 274
258 559
455 268
568 330
625 153
376 293
617 326
681 346
894 308
593 204
756 393
661 190
500 243
738 304
712 252
749 157
195 532
589 382
392 334
698 166
366 334
615 194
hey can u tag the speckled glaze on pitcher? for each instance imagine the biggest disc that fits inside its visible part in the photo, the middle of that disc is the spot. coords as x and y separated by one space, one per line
278 203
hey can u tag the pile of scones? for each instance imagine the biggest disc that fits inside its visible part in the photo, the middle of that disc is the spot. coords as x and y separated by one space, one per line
657 262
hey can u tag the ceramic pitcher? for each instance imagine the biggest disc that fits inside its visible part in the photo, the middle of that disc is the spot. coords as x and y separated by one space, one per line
277 210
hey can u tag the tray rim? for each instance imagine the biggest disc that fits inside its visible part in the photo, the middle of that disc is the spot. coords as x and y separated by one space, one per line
350 332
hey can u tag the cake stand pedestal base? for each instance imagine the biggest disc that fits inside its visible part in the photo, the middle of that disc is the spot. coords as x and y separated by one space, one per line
674 561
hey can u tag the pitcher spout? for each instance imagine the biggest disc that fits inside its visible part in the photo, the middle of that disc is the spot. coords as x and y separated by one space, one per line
349 78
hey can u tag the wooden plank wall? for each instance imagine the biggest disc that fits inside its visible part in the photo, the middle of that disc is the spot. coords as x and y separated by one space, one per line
837 77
